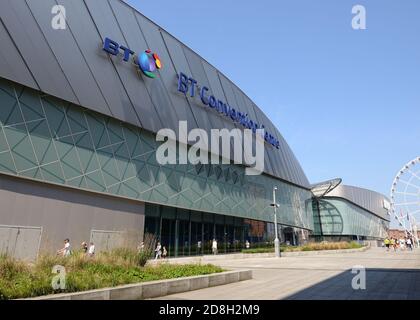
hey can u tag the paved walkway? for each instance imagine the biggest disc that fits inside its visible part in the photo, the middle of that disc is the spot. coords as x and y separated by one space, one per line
389 275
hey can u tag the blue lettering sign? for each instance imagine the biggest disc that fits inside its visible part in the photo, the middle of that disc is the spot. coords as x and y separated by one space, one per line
202 95
184 83
111 47
127 53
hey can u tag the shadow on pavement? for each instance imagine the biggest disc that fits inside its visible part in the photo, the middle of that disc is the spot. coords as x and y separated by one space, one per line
381 284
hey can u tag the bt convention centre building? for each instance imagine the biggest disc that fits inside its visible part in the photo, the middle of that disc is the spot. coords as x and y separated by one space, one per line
81 104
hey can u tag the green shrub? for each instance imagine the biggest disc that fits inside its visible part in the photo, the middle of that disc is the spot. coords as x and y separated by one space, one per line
258 250
107 269
312 246
147 250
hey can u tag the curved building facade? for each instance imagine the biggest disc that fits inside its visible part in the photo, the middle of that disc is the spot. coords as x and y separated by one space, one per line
348 212
81 107
78 124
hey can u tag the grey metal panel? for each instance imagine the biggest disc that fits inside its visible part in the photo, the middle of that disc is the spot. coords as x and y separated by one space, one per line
89 42
114 84
280 157
107 27
217 90
285 154
367 199
273 154
205 118
106 240
149 113
268 159
27 244
66 213
245 104
20 242
214 118
270 150
276 156
68 56
31 43
173 107
291 169
301 174
241 99
199 73
230 99
245 108
12 66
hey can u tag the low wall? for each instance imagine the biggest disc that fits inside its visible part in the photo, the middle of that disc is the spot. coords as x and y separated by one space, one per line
154 289
316 252
213 258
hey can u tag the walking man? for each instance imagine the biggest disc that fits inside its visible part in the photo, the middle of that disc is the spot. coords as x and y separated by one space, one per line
66 250
386 242
214 246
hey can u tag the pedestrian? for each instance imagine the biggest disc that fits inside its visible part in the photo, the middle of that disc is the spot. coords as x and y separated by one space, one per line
91 251
409 244
164 252
84 247
198 247
247 244
394 244
387 242
402 244
214 246
158 251
66 250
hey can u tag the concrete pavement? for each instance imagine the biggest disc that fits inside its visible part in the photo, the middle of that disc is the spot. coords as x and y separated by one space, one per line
389 275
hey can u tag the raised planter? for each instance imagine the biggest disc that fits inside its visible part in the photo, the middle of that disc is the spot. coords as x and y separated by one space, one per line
316 252
215 258
154 289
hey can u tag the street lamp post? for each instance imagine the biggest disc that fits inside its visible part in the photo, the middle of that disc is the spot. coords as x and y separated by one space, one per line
276 240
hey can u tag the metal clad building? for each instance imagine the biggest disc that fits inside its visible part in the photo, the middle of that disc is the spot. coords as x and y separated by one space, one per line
78 140
351 212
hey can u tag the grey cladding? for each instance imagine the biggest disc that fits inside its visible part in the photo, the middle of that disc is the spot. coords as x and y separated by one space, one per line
70 64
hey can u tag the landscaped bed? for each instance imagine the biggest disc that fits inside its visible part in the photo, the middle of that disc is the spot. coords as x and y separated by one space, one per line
313 246
121 266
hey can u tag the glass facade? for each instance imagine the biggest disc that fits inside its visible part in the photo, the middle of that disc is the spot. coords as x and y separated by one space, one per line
338 217
187 232
51 140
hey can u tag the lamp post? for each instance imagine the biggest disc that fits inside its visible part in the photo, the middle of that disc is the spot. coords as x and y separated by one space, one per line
276 240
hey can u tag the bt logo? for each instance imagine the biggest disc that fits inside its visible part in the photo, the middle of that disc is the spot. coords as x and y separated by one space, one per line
147 61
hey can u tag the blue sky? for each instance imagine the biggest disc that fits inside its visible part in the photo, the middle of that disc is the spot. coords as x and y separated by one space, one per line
347 101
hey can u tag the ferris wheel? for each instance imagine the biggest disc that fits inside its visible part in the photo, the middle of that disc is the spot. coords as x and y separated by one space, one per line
405 198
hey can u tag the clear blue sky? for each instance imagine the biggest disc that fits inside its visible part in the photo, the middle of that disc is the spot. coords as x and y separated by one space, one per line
347 101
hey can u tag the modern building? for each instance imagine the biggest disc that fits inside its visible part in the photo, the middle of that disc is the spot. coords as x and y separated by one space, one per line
80 108
344 212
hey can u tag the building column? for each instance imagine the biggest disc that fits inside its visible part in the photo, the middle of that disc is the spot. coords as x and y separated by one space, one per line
176 233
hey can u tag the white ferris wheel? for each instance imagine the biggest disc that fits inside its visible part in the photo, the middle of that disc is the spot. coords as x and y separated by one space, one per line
405 198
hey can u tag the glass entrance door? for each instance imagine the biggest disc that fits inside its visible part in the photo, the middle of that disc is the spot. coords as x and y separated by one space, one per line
167 236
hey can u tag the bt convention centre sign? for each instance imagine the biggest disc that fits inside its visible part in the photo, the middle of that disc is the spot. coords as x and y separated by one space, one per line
188 85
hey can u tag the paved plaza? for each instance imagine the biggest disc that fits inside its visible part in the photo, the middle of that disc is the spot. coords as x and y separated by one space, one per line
389 275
